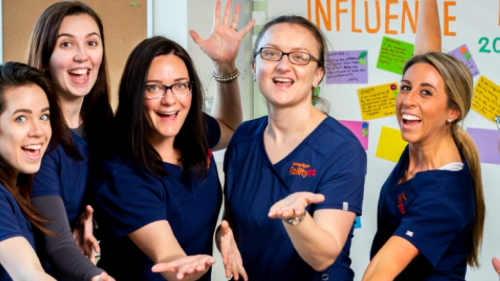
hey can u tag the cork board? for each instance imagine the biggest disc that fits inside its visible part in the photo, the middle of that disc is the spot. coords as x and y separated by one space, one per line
125 25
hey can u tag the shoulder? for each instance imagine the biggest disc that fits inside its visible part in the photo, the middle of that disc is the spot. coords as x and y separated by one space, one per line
7 201
249 130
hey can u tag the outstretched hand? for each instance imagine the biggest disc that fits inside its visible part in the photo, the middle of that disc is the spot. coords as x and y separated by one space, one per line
294 205
186 266
496 265
231 258
84 236
223 44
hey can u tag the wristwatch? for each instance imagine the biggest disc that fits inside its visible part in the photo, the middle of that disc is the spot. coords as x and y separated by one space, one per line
297 220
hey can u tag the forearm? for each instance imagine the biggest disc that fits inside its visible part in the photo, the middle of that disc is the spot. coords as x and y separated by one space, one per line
61 250
227 101
315 245
428 37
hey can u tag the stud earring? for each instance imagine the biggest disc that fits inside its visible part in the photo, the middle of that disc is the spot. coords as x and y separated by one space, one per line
449 120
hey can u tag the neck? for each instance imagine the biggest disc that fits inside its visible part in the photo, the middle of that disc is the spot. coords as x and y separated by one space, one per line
433 155
71 108
165 147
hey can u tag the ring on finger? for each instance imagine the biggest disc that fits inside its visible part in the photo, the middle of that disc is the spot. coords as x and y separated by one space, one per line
233 27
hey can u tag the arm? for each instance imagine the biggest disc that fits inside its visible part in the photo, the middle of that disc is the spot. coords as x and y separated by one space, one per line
158 242
428 38
62 251
222 47
20 260
319 239
391 260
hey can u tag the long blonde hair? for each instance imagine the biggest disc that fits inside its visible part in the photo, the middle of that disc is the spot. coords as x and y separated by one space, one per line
459 88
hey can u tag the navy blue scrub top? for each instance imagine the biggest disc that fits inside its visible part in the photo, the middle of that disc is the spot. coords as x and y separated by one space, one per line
131 198
433 211
330 161
61 175
12 224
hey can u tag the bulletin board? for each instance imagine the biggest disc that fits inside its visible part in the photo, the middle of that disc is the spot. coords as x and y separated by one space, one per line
125 25
369 43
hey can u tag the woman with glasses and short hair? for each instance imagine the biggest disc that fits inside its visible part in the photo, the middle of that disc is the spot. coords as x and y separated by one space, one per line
293 179
159 195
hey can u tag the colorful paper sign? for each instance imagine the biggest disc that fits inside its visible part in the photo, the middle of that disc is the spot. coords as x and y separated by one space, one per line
360 129
347 67
390 144
486 100
357 222
378 101
487 144
464 55
394 54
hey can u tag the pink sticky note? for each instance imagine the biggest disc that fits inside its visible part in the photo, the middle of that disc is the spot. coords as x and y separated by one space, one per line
360 130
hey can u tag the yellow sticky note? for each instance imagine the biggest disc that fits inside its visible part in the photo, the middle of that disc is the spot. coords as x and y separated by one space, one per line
486 99
390 144
378 101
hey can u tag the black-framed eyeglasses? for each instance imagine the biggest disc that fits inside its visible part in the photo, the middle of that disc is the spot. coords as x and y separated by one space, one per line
180 90
299 58
497 119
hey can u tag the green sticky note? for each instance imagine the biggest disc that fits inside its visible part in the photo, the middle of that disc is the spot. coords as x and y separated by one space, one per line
394 54
134 4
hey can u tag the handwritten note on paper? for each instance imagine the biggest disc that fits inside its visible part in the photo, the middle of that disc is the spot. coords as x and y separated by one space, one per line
378 101
463 54
394 54
487 144
360 129
486 99
390 144
347 67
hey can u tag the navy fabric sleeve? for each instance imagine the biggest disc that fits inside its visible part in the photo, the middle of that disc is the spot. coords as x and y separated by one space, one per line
213 131
9 226
61 250
46 180
343 183
131 199
430 224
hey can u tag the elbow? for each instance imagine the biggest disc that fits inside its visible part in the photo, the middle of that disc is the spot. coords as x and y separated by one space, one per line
323 264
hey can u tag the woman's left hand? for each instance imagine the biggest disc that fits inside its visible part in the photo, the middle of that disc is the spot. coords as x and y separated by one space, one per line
223 44
294 205
84 235
184 267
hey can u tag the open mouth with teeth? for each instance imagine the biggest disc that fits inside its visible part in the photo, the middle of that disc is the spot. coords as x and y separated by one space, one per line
283 81
168 116
33 151
411 120
79 75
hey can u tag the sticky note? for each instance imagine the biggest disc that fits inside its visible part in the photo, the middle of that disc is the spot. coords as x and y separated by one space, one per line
390 144
378 101
347 67
463 54
357 222
360 129
486 100
394 54
487 144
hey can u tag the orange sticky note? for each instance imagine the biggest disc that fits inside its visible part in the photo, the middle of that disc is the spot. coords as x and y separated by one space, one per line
390 144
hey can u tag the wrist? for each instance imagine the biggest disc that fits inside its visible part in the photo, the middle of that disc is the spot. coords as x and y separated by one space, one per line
296 220
224 69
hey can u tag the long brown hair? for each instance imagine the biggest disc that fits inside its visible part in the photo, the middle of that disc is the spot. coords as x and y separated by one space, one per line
96 112
459 87
14 74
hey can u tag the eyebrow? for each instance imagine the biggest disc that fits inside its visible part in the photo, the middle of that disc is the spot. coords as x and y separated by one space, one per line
23 110
295 49
160 82
72 36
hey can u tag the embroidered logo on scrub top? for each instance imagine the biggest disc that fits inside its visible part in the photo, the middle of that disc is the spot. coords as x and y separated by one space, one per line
209 160
401 201
303 170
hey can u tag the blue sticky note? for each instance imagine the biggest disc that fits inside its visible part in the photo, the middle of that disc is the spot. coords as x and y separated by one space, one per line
357 222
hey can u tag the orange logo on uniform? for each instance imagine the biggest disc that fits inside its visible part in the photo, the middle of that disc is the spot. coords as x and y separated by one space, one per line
303 170
401 201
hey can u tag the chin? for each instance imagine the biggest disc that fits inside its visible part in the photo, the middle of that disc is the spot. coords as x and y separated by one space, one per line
29 168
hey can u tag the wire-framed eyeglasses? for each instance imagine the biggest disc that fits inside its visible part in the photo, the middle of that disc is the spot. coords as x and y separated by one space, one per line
180 90
273 54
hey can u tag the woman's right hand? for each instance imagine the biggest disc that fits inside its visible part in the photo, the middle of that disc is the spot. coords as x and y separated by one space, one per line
231 258
186 267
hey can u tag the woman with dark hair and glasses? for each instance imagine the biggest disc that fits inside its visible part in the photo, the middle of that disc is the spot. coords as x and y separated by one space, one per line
295 178
29 116
159 195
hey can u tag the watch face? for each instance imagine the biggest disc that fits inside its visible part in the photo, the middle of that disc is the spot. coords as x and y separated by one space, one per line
295 221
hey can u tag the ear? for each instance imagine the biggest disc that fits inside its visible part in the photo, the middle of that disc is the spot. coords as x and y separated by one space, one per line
252 65
318 76
453 114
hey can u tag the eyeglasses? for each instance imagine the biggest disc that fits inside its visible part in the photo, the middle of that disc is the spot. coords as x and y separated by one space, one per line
498 121
180 90
300 58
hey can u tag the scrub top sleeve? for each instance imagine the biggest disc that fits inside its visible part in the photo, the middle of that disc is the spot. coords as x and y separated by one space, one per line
343 181
9 226
430 224
46 181
129 202
213 131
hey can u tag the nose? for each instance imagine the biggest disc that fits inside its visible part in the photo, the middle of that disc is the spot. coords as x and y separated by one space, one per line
81 54
169 97
284 63
410 98
35 129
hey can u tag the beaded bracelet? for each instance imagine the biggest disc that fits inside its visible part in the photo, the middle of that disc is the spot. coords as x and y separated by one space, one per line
228 78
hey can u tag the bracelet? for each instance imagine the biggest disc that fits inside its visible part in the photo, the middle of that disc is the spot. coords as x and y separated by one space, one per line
226 79
297 220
